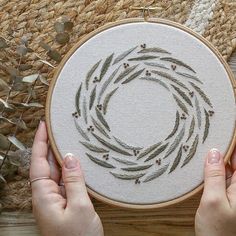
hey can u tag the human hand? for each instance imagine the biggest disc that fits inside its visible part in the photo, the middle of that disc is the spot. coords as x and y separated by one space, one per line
216 215
59 210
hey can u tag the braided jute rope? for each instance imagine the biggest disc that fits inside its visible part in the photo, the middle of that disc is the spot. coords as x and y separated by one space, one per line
214 19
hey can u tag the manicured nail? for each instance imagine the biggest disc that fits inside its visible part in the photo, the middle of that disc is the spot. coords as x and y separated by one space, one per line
41 122
214 156
70 161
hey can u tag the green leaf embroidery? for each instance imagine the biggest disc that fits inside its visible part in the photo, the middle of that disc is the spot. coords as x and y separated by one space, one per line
180 104
107 99
177 62
156 173
191 129
126 146
198 111
189 76
176 126
125 73
100 162
202 94
157 152
154 64
111 146
154 50
94 148
177 159
182 94
85 111
102 120
92 98
192 151
127 176
105 66
90 73
123 55
207 126
123 161
99 127
81 131
137 168
142 58
156 80
176 142
106 83
133 76
148 150
77 99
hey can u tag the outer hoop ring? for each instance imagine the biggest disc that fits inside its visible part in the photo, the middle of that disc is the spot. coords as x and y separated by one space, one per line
81 42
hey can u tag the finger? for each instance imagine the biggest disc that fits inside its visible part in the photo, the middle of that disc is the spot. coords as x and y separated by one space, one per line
215 183
55 172
39 165
76 191
62 188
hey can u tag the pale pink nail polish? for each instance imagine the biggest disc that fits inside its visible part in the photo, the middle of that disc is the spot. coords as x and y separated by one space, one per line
70 161
214 156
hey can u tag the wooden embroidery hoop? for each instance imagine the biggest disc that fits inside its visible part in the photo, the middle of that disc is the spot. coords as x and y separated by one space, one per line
146 18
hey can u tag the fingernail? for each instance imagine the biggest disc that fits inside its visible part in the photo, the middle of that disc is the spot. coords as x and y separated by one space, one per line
41 122
70 161
214 156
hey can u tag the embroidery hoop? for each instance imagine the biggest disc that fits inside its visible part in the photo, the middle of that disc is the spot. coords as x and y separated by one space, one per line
146 14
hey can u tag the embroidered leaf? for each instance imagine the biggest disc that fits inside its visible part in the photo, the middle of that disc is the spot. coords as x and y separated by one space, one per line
106 83
126 146
148 150
156 65
100 162
182 94
142 58
177 62
177 160
111 146
202 94
77 100
94 148
180 104
192 151
90 73
176 126
137 168
123 161
81 131
85 110
127 176
169 77
107 99
99 127
125 73
189 76
156 80
92 98
157 152
105 66
102 120
191 129
207 126
176 142
154 50
198 111
133 76
123 55
156 173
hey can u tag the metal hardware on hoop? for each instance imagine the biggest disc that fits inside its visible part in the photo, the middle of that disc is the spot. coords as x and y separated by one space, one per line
146 11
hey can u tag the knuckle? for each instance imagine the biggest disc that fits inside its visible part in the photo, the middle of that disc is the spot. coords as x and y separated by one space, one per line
211 202
76 177
85 206
214 173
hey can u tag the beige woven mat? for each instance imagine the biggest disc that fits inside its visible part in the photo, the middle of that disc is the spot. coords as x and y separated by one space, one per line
214 19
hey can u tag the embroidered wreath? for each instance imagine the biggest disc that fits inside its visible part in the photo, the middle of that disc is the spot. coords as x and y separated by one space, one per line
154 65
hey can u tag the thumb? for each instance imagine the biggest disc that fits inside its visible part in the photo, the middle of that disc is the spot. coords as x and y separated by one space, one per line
73 179
215 183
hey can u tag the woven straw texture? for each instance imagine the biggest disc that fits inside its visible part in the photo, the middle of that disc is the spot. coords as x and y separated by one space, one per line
215 20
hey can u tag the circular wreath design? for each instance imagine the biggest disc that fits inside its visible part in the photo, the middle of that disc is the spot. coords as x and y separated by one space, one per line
152 64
